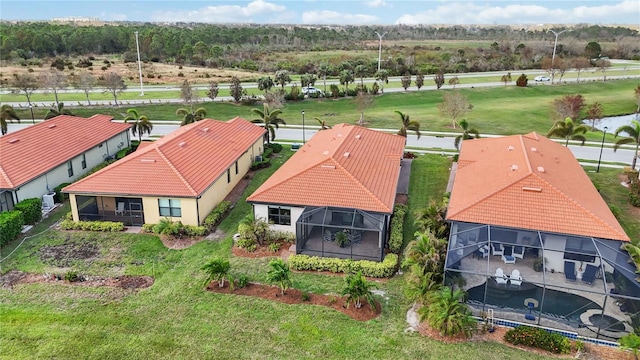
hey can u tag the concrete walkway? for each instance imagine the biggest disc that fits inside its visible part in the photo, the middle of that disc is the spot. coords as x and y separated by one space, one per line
403 179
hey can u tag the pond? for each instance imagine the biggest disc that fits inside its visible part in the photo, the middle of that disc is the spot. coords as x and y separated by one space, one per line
557 304
614 122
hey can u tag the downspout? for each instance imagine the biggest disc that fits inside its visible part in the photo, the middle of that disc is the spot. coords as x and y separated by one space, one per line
198 209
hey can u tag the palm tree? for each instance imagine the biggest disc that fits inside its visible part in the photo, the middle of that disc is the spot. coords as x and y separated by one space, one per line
633 131
408 125
279 273
567 129
269 119
323 124
190 116
216 269
57 110
448 313
467 134
426 252
141 123
432 219
420 283
357 288
7 113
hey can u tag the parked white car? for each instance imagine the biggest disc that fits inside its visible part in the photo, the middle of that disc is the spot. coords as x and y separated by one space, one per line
542 78
311 90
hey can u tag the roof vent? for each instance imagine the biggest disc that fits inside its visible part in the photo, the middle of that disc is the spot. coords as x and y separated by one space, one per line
325 153
148 160
514 167
541 169
346 154
182 144
328 166
358 136
51 126
205 130
534 189
510 148
534 149
14 140
339 135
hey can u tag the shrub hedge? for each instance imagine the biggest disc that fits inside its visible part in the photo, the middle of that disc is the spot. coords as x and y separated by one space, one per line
216 215
10 225
276 147
383 269
397 228
539 338
31 210
60 197
189 230
106 226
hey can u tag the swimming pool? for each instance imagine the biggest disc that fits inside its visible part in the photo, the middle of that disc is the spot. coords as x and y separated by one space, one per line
557 304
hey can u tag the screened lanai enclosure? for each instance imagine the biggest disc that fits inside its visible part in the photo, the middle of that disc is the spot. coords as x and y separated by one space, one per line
580 285
318 228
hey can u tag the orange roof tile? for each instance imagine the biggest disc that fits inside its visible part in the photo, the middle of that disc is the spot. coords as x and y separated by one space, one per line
30 152
181 164
528 182
347 166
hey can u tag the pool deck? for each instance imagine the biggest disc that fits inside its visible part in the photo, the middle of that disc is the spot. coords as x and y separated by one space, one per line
554 280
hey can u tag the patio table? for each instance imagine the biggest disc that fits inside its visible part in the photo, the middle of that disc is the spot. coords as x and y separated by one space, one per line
508 259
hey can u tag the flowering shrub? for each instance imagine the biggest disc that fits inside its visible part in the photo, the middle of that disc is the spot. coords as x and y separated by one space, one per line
539 338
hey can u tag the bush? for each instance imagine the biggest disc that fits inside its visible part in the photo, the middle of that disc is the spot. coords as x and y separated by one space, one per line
148 228
267 152
248 244
191 230
386 268
10 225
242 281
539 338
72 276
276 147
275 247
216 215
634 199
60 197
122 153
106 226
397 227
522 81
31 210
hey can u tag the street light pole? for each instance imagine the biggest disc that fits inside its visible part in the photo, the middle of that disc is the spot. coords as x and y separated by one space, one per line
303 138
601 146
139 64
380 47
33 120
553 57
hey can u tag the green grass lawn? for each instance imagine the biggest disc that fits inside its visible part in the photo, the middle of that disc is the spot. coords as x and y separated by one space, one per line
499 110
175 318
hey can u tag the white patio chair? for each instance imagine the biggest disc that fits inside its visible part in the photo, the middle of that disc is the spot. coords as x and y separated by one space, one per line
120 209
515 278
497 249
518 251
501 279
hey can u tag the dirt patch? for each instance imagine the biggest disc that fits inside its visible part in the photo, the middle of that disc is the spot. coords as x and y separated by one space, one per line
401 199
294 296
262 252
64 255
15 277
174 243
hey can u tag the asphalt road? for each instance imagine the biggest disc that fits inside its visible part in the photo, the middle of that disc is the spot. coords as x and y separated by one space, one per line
430 141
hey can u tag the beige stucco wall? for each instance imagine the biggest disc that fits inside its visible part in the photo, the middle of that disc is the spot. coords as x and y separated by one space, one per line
261 211
94 156
152 210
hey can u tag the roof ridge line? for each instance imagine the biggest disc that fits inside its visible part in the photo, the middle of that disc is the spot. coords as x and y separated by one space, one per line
184 181
526 154
360 183
592 215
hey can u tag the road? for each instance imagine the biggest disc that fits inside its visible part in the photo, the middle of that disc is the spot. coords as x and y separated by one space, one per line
430 141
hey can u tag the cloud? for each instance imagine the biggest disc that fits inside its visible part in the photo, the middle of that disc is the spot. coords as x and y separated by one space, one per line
334 17
112 17
376 3
224 13
624 12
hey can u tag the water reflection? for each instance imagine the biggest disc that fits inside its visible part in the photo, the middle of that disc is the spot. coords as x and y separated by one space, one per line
614 122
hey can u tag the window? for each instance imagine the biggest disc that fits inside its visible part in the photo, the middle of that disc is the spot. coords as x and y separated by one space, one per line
580 249
169 207
280 216
70 168
236 167
228 176
84 161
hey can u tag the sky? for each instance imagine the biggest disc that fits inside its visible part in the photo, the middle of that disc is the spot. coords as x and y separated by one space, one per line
342 12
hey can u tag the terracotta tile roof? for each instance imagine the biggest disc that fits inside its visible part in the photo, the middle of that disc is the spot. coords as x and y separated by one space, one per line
181 164
347 166
529 182
30 152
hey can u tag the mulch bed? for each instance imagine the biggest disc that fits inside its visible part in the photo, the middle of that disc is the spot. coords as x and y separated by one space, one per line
294 296
15 277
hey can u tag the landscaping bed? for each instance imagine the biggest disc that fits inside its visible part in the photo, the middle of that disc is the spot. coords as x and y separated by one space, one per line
294 296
